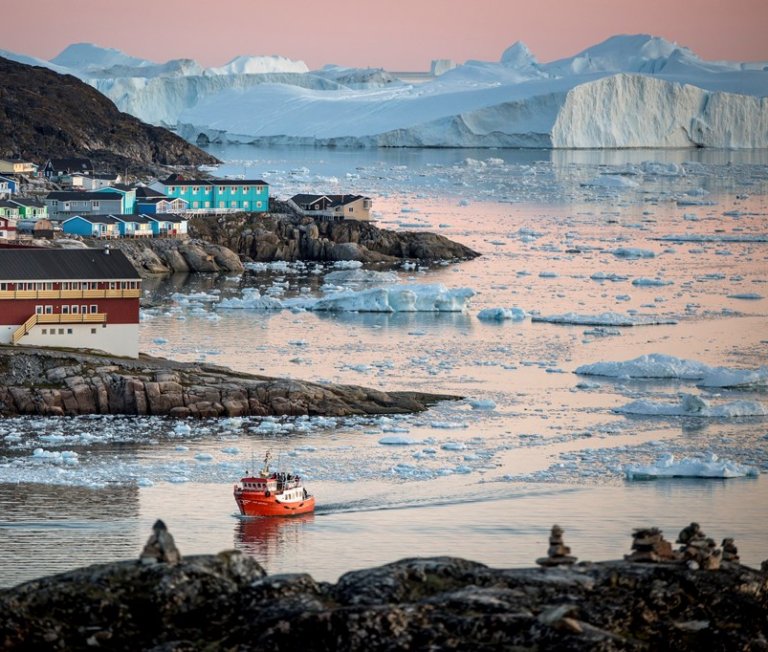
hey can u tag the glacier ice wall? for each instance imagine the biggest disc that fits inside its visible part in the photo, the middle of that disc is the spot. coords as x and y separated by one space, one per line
641 111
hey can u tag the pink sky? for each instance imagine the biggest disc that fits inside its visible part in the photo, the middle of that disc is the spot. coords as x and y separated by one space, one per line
398 35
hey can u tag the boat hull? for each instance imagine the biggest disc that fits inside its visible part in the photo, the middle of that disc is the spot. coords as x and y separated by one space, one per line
256 504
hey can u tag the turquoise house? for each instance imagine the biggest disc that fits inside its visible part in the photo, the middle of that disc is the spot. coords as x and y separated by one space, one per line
250 195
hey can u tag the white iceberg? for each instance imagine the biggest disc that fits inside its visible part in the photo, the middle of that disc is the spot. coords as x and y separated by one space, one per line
689 467
695 406
659 365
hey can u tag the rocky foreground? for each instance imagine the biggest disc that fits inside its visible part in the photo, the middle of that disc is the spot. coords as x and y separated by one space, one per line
228 602
57 383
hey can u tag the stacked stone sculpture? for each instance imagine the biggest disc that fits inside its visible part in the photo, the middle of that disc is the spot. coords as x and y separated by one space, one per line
649 545
160 547
698 551
558 554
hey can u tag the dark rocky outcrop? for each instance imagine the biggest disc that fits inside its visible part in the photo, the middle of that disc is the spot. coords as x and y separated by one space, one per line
284 234
228 602
55 382
170 255
47 115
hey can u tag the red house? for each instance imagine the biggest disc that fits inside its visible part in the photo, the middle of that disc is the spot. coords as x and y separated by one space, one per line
74 298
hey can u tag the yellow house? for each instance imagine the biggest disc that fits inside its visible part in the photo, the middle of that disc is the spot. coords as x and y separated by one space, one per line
14 166
335 207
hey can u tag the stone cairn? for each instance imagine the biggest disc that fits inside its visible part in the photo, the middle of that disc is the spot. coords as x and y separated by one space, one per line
698 551
558 554
730 551
649 545
160 547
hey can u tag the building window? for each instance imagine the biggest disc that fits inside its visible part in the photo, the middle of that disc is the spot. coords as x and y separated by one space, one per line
93 331
94 308
38 310
207 204
95 204
61 331
221 189
245 204
194 190
258 204
245 189
75 310
172 189
195 204
84 309
232 190
45 331
222 204
69 331
3 287
65 310
351 209
233 204
49 310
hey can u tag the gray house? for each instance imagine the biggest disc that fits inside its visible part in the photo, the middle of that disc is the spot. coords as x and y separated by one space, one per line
63 204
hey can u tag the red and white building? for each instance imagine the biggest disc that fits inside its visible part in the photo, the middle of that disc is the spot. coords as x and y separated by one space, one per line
74 298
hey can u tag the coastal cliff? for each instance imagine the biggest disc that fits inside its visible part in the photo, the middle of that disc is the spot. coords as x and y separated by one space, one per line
228 602
56 383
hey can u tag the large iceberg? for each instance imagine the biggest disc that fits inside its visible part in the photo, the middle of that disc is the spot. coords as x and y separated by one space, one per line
629 91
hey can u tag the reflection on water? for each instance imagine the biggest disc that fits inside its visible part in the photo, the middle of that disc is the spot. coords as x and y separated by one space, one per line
48 529
271 540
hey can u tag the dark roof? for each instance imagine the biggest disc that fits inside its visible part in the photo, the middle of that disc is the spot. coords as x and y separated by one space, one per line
83 196
179 180
139 219
93 219
26 201
167 217
64 264
8 204
336 200
143 192
71 164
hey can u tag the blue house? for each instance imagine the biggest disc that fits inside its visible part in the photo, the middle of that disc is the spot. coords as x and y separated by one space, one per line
91 226
7 186
251 195
168 225
162 204
133 226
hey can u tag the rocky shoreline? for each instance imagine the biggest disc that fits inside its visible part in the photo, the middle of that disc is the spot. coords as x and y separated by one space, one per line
51 382
227 601
219 244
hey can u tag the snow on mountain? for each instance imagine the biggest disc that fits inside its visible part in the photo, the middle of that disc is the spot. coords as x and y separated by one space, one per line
87 56
249 65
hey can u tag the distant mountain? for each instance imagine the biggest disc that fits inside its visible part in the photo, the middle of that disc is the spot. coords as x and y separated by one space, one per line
44 114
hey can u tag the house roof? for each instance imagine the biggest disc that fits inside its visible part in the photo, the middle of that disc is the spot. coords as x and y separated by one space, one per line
167 217
139 219
71 164
64 264
5 203
93 219
143 192
336 200
65 195
26 201
180 180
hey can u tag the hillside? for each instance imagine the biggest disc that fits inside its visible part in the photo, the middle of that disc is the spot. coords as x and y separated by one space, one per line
47 115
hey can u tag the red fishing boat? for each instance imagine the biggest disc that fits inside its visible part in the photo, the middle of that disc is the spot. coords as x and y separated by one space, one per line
273 493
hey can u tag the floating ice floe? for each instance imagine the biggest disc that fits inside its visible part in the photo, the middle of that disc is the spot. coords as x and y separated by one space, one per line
400 298
610 181
251 300
502 314
350 276
650 282
659 365
689 467
398 441
482 404
748 296
632 252
603 319
695 406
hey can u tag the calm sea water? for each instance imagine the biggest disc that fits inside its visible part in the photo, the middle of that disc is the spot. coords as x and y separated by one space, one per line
485 484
